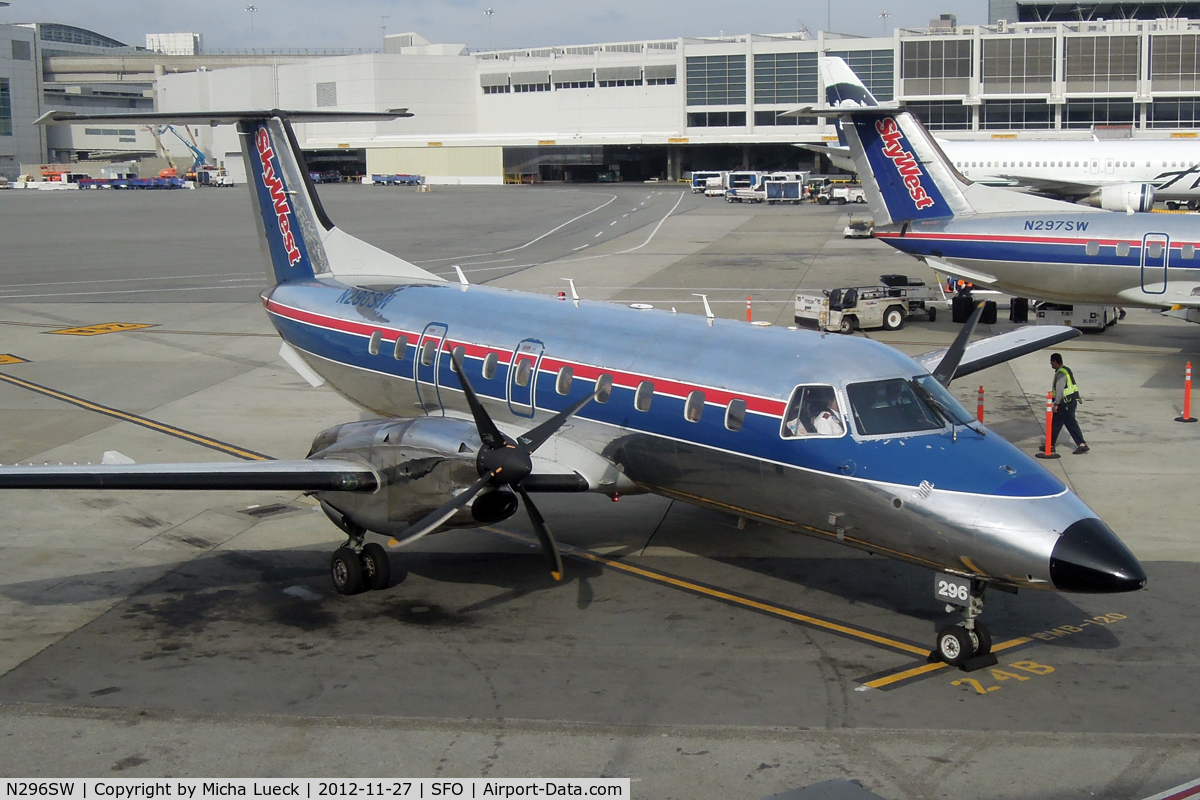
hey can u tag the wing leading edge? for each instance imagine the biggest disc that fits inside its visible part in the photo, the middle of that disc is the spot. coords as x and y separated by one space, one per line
1000 348
315 475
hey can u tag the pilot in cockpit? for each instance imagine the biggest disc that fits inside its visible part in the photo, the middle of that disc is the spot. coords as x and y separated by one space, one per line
826 419
814 410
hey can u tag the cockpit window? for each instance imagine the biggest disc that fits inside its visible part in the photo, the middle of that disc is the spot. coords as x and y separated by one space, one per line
813 411
891 406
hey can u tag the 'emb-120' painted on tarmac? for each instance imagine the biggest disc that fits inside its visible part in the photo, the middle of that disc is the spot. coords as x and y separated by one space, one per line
1023 244
835 436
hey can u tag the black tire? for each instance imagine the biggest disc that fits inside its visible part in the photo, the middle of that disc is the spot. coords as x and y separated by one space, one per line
893 318
849 325
954 645
983 639
841 201
346 571
823 201
932 312
376 567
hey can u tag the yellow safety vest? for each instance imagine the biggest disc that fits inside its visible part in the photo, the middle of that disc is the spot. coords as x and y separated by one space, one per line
1070 390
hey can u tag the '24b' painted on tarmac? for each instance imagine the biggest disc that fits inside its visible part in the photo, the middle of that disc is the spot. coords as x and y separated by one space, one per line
1055 225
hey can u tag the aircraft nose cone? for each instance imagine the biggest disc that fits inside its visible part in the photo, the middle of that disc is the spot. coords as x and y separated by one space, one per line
1089 557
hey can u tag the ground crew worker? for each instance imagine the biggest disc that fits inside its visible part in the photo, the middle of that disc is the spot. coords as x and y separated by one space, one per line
1066 400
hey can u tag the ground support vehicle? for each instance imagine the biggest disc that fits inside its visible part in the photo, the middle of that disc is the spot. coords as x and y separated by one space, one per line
393 180
840 194
1083 317
784 192
715 187
745 195
859 228
135 183
886 306
700 180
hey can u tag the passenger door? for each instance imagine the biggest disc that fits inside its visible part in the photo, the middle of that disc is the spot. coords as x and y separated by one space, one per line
429 351
522 377
1156 248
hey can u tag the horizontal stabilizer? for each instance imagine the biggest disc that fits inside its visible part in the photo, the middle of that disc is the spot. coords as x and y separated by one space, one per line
1000 348
220 117
313 475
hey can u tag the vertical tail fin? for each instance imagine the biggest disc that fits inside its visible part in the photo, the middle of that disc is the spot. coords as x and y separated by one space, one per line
288 209
905 174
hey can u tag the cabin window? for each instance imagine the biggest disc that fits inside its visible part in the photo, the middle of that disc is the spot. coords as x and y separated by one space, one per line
735 414
604 388
401 347
693 407
428 351
643 396
489 366
1092 248
1122 249
524 372
373 343
562 384
1156 250
813 411
1188 251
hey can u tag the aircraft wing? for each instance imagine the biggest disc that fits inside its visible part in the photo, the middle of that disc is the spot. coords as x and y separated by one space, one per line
1054 188
1176 294
309 475
997 349
837 154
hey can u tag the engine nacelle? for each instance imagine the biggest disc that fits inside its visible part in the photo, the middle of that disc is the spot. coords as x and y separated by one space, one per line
423 462
1123 197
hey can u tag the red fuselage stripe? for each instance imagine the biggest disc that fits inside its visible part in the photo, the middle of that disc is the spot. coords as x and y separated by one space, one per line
630 380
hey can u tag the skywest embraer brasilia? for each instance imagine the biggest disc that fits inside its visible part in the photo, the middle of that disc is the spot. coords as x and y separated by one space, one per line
1022 244
470 381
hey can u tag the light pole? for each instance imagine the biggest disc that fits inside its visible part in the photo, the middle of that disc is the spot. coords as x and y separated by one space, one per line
885 16
489 13
252 9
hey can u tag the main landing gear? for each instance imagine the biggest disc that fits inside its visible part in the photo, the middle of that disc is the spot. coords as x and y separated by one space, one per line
356 567
967 644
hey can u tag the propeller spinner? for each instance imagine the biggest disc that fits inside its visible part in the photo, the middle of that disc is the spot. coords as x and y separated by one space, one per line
501 462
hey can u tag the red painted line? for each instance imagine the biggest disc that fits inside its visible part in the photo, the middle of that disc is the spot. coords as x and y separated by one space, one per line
762 405
981 237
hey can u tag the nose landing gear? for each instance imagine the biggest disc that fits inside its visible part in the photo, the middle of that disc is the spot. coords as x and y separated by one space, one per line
967 644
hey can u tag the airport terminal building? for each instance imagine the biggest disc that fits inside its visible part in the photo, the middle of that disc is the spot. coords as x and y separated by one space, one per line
658 108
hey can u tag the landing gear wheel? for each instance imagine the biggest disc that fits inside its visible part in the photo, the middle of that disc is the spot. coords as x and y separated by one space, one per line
954 645
346 570
376 567
983 639
893 318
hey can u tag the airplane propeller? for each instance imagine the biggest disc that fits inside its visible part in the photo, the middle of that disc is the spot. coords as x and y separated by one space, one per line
501 462
944 372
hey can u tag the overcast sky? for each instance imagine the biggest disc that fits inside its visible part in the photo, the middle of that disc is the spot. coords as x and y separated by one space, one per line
515 23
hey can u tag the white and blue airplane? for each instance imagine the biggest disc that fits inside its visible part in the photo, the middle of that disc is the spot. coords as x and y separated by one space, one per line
1023 244
1112 174
839 437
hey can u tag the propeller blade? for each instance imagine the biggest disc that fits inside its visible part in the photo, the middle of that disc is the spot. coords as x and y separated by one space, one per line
549 546
532 440
944 372
489 434
432 520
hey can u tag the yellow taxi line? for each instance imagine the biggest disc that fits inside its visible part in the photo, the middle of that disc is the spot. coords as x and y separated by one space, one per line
734 599
171 430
